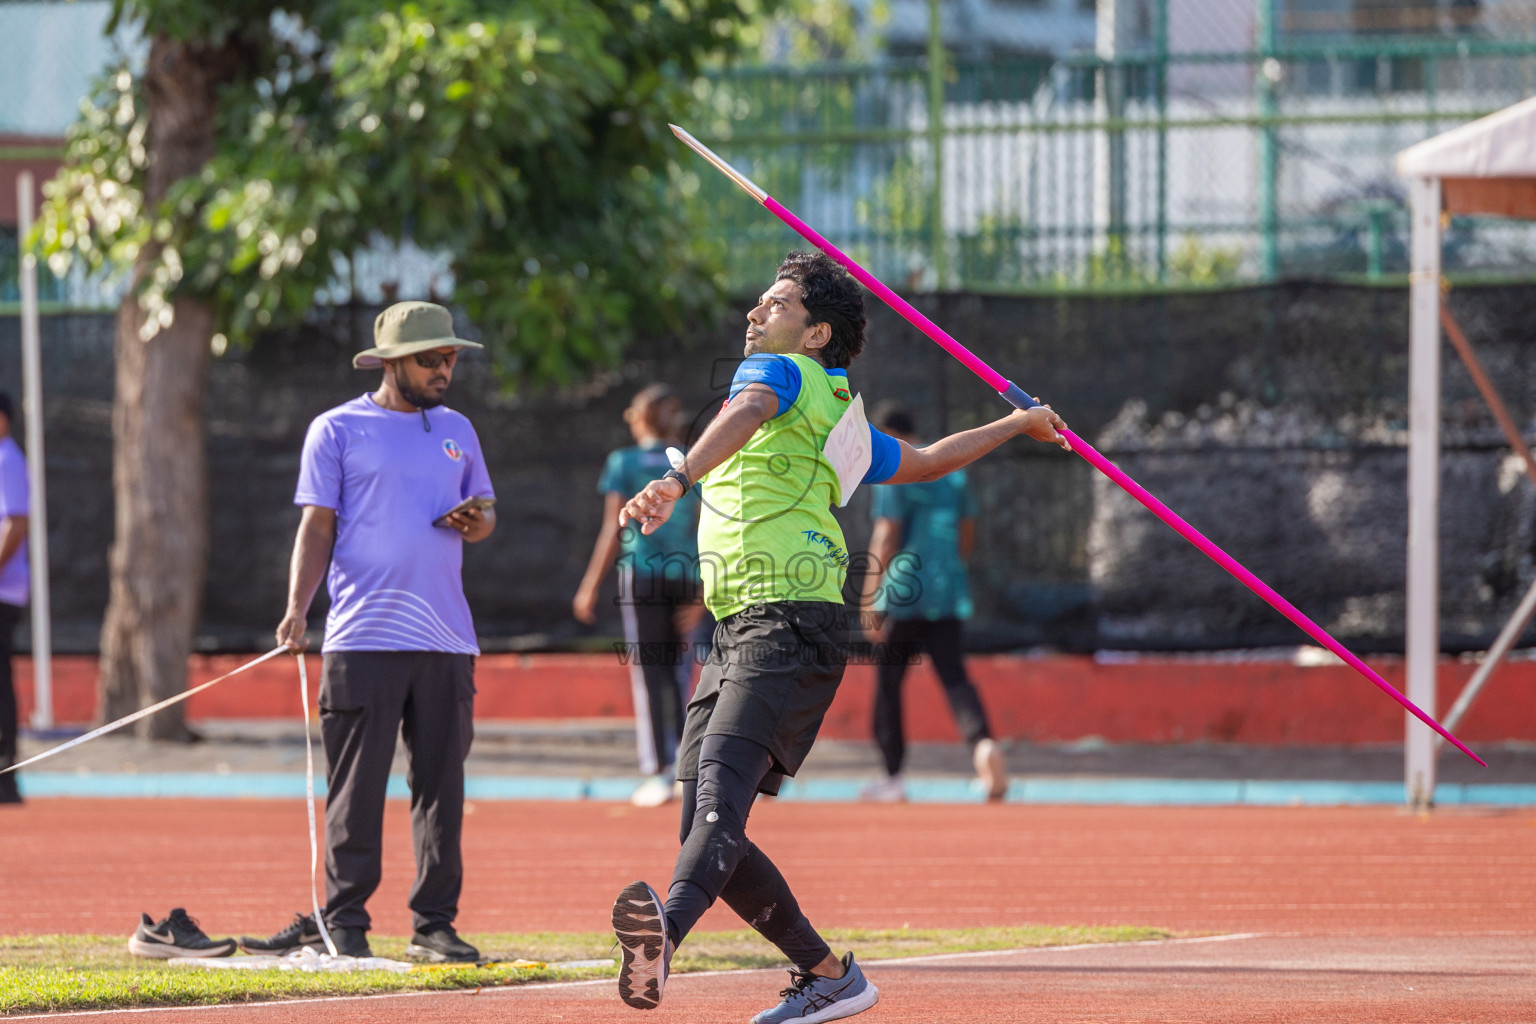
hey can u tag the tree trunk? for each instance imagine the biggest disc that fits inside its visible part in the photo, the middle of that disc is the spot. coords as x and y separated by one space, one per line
159 470
160 483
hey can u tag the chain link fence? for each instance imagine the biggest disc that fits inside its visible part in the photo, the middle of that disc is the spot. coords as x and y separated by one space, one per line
1206 142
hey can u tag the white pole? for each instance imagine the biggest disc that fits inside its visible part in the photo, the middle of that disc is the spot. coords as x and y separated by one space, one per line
1113 36
1507 637
37 512
1423 640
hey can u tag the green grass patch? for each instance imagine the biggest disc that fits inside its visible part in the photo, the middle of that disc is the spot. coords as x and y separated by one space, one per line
46 973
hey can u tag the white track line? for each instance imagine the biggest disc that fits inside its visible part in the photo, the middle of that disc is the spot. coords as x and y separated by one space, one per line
536 987
937 957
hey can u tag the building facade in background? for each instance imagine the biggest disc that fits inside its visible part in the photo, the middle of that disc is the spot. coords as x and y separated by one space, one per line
49 55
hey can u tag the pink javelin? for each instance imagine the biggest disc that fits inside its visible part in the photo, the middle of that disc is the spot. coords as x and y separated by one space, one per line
1017 397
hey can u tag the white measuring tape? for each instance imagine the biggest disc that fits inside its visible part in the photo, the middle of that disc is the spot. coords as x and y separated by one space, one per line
146 712
309 805
309 763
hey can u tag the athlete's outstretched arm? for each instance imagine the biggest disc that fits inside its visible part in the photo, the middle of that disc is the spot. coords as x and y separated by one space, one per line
959 450
753 406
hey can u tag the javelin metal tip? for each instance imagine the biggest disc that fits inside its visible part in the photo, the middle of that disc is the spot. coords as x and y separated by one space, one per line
746 183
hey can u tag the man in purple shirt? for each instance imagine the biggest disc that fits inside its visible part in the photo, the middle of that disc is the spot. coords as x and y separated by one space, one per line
15 584
376 478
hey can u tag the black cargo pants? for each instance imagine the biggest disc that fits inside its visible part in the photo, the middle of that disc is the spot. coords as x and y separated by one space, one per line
367 699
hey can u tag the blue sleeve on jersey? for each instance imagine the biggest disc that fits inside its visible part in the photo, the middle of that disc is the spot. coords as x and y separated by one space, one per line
779 373
884 458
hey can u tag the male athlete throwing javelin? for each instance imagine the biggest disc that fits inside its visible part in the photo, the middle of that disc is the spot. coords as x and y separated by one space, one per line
773 562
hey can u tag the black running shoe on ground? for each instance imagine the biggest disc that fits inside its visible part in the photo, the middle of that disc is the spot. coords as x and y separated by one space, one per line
301 933
350 942
178 935
640 922
441 945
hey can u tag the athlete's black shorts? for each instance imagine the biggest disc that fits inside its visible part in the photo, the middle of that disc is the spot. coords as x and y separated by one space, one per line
770 678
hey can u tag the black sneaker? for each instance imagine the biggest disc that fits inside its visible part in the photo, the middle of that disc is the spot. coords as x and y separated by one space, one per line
178 935
441 945
301 933
351 942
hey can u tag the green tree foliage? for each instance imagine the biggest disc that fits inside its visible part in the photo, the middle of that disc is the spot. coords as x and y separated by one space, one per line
526 139
816 31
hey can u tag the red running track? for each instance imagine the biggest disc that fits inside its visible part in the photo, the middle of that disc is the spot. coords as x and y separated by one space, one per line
92 865
1367 913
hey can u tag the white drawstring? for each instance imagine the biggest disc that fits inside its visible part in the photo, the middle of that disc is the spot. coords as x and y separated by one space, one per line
309 805
141 713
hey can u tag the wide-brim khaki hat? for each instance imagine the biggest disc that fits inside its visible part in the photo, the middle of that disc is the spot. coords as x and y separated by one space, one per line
407 328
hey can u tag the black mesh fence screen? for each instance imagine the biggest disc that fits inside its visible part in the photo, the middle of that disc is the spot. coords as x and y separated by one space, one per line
1272 418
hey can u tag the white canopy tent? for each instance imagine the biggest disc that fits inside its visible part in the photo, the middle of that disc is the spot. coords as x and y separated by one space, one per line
1485 167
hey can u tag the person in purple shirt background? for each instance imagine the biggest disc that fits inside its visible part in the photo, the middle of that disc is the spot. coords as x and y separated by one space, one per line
378 480
15 585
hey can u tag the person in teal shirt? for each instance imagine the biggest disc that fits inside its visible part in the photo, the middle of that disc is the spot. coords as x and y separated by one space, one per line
659 591
924 534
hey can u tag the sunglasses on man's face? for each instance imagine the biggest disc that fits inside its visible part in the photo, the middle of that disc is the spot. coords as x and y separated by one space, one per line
432 360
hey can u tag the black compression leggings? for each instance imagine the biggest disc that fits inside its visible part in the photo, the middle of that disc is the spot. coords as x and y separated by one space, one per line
719 861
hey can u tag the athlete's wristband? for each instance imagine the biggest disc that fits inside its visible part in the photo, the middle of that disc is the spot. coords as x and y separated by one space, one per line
680 477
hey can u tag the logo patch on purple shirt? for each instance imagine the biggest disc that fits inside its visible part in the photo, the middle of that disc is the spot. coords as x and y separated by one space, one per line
452 450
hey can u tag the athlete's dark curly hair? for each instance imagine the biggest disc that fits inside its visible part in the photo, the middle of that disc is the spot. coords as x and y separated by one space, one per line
831 296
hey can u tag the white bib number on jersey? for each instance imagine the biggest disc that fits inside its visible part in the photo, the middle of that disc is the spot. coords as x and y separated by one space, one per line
848 449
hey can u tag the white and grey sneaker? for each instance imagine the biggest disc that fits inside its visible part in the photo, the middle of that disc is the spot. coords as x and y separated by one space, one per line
889 790
811 999
654 791
991 772
640 922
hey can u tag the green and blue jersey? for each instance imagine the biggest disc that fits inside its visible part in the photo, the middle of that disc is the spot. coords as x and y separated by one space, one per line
766 529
